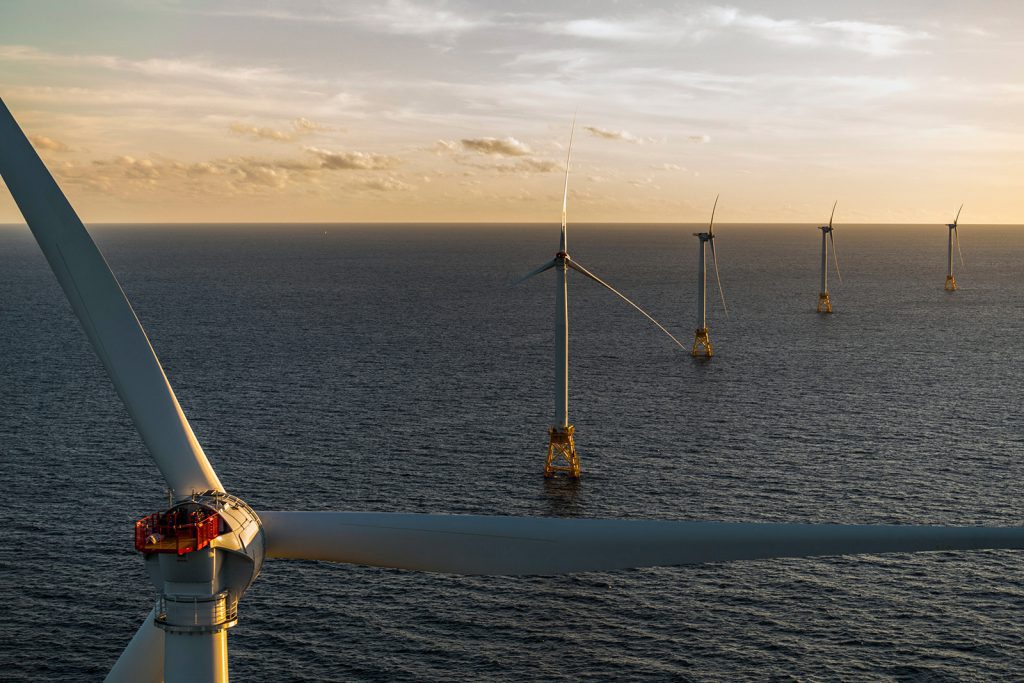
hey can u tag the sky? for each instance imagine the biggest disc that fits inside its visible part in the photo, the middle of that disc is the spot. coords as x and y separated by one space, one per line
437 111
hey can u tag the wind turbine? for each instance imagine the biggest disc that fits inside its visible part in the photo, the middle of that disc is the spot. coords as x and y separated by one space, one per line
562 455
950 285
208 546
824 302
700 339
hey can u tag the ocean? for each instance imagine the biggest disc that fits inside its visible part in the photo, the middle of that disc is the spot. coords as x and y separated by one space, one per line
392 368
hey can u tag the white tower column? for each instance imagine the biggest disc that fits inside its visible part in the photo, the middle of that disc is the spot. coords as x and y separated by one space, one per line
562 456
191 657
824 301
824 261
701 341
949 254
561 346
702 285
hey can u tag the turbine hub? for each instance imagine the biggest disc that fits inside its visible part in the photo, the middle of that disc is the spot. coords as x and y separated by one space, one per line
202 554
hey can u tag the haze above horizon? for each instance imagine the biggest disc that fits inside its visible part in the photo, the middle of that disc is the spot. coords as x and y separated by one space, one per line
187 111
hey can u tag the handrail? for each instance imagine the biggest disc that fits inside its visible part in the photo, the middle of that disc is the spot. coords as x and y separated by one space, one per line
222 612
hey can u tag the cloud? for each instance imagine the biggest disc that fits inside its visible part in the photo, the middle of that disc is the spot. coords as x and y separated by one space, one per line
701 139
300 126
645 182
260 132
878 40
445 147
359 161
395 17
613 134
602 29
508 147
125 175
668 167
525 166
189 69
389 184
41 142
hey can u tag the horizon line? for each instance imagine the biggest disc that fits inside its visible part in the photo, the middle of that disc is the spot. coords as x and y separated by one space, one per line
471 223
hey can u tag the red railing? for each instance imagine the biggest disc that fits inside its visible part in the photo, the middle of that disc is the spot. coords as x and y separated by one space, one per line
176 531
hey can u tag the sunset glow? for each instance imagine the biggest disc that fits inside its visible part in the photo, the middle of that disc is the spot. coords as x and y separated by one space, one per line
193 111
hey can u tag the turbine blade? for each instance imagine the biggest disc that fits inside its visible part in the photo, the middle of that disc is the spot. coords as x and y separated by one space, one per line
536 271
580 269
833 214
957 219
956 236
718 278
711 225
565 189
835 256
142 660
108 318
473 544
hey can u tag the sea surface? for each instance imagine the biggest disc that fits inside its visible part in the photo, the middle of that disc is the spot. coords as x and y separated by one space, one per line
392 368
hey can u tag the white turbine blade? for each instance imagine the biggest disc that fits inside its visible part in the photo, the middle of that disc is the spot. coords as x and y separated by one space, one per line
580 269
957 218
105 313
142 661
718 279
472 544
956 236
537 271
711 224
832 215
565 189
835 256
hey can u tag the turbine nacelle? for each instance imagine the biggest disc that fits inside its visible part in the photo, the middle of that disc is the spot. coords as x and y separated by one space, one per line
202 554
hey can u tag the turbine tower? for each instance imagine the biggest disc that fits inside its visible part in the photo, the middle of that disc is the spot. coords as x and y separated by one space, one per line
824 302
701 341
562 456
950 285
207 548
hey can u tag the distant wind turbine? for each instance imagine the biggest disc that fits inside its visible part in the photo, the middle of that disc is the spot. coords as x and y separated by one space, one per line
562 456
824 302
953 234
701 339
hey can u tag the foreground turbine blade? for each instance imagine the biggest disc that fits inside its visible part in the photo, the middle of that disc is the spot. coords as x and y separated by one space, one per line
718 278
580 269
105 313
142 661
956 236
835 256
833 214
538 271
471 544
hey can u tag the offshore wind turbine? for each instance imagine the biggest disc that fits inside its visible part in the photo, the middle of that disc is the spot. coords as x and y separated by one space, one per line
824 301
208 546
950 285
701 341
562 456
